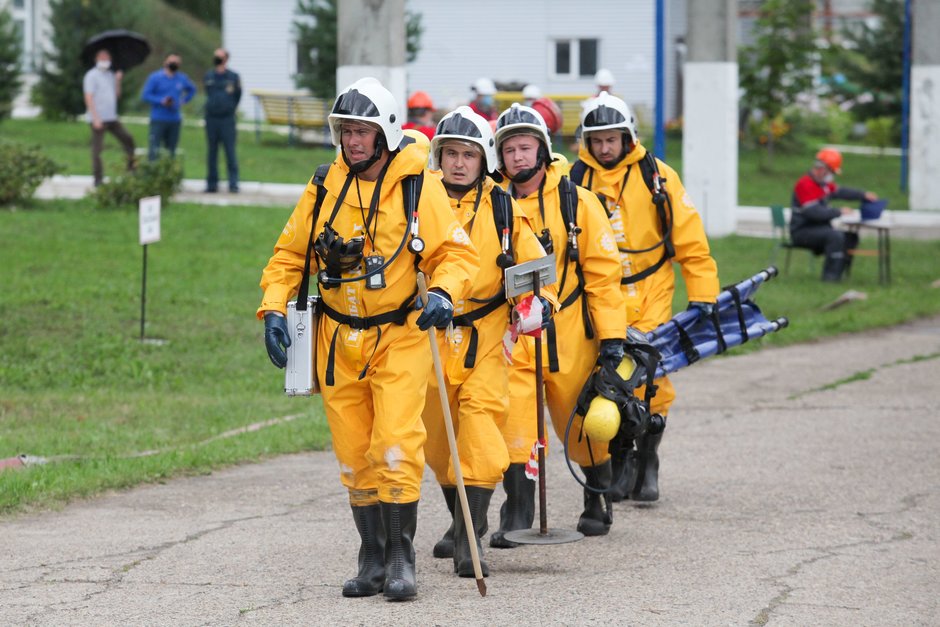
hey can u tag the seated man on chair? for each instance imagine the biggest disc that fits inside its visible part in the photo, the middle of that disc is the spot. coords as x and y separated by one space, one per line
810 223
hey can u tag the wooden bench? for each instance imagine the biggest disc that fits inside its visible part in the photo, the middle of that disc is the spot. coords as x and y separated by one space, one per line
294 109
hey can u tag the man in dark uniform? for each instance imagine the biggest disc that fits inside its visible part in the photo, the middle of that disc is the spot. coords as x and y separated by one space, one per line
223 91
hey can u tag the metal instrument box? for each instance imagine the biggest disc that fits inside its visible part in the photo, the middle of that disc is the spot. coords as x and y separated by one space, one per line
300 376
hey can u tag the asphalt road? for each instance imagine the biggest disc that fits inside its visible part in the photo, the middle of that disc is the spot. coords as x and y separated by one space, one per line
795 492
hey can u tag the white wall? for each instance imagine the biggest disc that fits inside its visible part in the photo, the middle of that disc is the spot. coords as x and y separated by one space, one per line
260 38
512 41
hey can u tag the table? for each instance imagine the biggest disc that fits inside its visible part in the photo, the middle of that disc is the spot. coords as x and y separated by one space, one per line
883 230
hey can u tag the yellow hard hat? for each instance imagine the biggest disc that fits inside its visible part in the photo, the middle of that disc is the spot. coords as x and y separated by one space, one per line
602 420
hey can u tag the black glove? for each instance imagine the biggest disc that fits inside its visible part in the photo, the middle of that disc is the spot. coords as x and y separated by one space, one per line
438 312
611 353
276 338
546 312
705 310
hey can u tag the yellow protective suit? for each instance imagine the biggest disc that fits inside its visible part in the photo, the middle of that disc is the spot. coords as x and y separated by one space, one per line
380 374
577 354
636 226
478 393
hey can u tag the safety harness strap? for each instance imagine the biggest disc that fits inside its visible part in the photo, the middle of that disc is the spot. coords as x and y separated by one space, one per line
396 316
318 177
467 320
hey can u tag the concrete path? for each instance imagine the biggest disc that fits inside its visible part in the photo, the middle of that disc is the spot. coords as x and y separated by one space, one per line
801 486
752 221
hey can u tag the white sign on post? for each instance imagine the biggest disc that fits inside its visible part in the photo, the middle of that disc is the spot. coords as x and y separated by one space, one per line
149 219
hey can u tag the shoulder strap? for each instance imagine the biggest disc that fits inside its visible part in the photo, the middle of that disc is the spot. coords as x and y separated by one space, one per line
411 193
577 172
318 178
649 169
502 210
569 202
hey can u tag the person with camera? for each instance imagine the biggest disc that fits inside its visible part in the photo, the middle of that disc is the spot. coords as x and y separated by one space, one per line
373 218
476 370
589 326
655 225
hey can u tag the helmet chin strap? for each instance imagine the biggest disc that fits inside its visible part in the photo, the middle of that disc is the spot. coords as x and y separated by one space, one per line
461 189
524 175
362 166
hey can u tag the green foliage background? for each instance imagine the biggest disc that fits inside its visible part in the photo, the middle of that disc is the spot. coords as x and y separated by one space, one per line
10 50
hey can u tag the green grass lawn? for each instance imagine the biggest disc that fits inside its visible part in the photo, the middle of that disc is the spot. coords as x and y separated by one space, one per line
272 159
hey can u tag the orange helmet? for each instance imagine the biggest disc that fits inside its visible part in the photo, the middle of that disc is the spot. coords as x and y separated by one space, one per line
832 158
420 100
550 112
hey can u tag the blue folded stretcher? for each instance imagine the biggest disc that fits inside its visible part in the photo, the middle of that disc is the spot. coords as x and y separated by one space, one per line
689 336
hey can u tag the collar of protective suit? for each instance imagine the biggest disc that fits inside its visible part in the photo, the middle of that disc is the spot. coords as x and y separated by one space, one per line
411 159
558 168
607 182
463 207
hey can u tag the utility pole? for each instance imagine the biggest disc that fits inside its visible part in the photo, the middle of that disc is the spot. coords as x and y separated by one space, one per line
710 113
371 42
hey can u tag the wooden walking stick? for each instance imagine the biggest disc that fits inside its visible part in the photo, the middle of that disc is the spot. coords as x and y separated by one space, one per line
452 443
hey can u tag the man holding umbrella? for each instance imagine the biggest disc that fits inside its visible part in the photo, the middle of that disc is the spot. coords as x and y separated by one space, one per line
102 88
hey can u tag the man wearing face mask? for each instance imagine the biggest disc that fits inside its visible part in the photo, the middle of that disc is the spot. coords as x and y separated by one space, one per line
166 90
483 103
223 92
102 89
810 222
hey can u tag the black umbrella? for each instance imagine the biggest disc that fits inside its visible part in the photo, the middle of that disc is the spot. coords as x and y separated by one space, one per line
127 48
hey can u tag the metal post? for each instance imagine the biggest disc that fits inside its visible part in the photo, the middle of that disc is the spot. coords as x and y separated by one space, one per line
143 294
659 129
540 413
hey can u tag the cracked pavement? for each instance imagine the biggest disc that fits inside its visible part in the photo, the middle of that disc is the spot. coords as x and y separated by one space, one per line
782 504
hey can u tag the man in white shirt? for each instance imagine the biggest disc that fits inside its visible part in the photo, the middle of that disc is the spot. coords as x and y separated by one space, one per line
102 88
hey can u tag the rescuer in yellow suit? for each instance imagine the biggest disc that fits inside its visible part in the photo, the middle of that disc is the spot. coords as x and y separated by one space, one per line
475 363
656 225
373 358
590 325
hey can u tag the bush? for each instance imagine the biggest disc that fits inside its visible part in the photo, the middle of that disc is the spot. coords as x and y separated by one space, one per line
880 131
22 169
158 178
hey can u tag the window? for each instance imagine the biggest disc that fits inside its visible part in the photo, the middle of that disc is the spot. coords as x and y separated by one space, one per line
575 58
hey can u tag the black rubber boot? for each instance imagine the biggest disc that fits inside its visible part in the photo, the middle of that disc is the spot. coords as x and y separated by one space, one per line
833 267
400 520
518 512
445 546
647 480
371 575
597 515
478 499
623 465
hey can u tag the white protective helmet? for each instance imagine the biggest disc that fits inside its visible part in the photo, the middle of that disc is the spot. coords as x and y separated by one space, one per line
367 100
521 120
606 112
531 92
484 87
604 78
464 125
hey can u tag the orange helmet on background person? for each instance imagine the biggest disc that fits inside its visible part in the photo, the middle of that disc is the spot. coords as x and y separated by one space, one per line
550 112
832 159
420 100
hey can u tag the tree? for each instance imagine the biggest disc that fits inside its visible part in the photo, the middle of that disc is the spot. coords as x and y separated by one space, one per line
59 91
778 66
872 63
315 29
11 49
208 11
